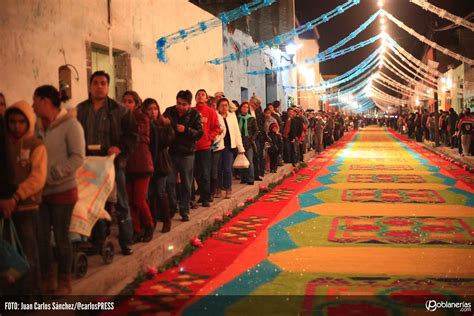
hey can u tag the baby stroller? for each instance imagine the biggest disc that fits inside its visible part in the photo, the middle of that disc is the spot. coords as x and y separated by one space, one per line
90 222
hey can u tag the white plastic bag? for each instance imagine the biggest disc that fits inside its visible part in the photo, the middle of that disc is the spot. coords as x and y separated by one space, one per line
241 162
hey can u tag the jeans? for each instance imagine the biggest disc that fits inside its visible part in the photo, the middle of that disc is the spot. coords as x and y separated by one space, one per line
202 172
137 189
182 165
156 189
26 224
215 161
261 158
225 169
247 175
58 216
123 210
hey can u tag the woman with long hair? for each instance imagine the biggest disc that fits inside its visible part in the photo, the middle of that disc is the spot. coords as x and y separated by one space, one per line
232 141
161 137
139 171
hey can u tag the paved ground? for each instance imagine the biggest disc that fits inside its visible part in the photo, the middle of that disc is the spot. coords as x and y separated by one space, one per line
384 221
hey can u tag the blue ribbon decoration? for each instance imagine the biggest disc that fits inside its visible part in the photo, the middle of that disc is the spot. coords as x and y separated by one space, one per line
282 38
224 18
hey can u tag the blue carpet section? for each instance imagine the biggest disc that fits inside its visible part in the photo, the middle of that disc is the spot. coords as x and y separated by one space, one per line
217 302
308 198
278 237
326 179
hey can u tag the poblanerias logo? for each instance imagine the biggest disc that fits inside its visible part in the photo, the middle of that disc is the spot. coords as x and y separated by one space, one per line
433 305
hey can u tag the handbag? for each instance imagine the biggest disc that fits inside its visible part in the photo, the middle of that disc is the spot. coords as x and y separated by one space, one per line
241 162
13 262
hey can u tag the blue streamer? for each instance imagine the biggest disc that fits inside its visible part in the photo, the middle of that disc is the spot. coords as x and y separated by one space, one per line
224 18
282 38
325 55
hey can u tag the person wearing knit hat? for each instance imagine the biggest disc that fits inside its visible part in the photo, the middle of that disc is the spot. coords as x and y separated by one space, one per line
26 157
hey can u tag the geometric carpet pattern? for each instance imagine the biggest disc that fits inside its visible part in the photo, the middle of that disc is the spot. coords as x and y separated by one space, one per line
375 225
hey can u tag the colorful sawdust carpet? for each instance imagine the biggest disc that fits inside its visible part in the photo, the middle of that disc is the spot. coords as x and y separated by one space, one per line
376 231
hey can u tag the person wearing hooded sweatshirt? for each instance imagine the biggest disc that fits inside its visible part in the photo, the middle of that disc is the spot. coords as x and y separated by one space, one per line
27 158
63 137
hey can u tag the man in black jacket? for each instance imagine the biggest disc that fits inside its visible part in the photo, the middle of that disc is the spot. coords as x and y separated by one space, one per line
110 129
187 124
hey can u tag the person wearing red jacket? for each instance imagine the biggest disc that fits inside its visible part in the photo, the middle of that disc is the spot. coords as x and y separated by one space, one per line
139 171
202 160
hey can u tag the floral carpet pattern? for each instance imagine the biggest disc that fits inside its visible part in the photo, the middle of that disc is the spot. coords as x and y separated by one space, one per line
375 225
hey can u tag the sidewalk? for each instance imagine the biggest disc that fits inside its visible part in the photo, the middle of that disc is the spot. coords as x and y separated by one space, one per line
102 279
452 153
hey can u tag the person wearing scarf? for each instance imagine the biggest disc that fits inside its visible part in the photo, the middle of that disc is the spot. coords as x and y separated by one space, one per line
249 131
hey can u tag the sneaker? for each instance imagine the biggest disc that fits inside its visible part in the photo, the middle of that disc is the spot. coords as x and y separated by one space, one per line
206 204
185 218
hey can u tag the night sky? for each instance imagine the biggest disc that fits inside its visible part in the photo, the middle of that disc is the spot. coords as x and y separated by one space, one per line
342 25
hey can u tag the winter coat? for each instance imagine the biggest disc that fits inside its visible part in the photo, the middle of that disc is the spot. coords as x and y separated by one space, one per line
122 131
185 143
161 137
234 132
140 161
210 126
253 132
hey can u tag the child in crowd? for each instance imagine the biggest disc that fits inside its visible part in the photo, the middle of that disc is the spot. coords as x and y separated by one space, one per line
276 146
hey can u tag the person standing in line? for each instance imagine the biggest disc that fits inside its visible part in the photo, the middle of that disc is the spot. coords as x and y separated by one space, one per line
249 133
187 124
63 137
318 133
276 142
232 141
217 148
161 137
202 160
20 193
139 171
259 159
110 129
466 128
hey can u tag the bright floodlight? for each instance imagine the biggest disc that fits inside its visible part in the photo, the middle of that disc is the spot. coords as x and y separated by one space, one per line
380 3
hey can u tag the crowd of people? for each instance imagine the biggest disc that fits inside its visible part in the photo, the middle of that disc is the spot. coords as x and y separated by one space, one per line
455 130
165 163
